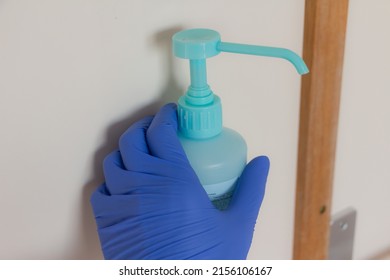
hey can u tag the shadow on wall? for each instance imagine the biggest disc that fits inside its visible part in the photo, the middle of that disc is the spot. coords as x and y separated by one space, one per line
88 246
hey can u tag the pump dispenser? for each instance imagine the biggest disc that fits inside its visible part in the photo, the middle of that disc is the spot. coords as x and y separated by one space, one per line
217 154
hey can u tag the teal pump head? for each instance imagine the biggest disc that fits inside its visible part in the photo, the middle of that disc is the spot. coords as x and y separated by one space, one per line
199 110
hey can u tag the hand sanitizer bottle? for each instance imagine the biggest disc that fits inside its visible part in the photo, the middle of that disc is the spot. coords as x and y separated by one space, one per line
216 153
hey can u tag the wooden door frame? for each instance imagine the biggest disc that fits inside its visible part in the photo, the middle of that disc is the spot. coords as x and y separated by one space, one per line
323 52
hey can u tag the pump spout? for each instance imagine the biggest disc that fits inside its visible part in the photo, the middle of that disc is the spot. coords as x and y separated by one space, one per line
289 55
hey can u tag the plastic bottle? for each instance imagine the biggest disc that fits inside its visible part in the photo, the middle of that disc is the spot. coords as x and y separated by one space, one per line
216 153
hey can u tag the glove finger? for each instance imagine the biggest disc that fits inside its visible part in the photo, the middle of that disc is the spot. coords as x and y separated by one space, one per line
249 193
111 210
133 146
122 181
162 138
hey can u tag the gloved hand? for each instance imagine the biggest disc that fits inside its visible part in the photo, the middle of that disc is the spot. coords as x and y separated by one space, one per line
152 205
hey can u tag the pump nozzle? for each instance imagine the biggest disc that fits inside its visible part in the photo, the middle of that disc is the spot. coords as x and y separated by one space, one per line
200 113
199 44
291 56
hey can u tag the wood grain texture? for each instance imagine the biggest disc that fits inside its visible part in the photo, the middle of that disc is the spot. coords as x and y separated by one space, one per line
323 51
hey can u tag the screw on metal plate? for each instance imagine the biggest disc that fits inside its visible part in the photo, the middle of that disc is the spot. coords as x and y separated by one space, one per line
342 231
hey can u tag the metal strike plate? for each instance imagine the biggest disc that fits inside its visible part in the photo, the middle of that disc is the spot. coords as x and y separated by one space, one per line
342 232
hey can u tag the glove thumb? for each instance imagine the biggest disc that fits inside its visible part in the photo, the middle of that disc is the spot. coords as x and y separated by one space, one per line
249 193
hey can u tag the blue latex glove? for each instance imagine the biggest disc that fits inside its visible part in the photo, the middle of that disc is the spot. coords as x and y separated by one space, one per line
152 205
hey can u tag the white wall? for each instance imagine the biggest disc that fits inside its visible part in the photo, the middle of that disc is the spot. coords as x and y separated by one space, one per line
362 176
75 74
